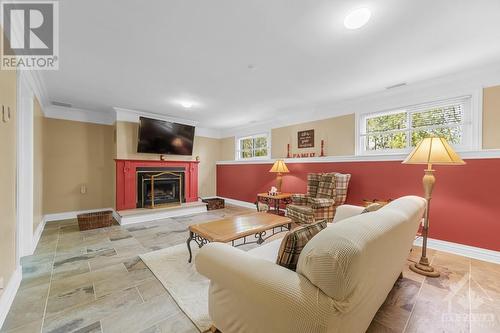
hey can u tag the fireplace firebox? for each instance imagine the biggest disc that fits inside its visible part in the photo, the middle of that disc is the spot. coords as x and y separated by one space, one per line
158 187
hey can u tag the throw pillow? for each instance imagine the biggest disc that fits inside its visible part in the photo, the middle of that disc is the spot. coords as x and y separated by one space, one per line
326 187
294 241
372 208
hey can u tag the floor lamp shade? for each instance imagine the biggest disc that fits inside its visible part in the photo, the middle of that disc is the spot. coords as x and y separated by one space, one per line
433 151
430 151
279 167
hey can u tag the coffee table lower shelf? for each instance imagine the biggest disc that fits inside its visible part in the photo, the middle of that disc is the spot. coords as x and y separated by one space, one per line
259 236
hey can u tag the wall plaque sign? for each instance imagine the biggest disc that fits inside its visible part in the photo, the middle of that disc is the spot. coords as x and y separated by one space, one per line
305 139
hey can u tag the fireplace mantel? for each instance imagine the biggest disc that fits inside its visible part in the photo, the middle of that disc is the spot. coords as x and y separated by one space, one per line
126 179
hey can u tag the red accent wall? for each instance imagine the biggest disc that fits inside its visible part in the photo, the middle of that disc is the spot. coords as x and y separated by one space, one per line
465 207
126 180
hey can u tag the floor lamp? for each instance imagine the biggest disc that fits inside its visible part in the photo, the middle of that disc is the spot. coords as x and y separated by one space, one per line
430 151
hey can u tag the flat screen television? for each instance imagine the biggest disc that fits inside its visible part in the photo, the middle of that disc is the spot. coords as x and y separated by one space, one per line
163 137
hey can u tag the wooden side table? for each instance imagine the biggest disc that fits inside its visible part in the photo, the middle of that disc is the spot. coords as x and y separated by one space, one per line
383 202
275 201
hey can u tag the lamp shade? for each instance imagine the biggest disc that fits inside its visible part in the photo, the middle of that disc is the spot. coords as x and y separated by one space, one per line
279 166
433 150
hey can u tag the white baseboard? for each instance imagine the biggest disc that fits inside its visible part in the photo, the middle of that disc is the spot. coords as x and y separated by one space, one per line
238 202
152 215
9 293
37 234
70 215
463 250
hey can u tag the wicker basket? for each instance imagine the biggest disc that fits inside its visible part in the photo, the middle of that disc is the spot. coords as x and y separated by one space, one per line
95 220
214 203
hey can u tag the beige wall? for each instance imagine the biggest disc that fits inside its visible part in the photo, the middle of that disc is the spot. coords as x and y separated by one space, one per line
491 118
208 150
227 148
77 154
338 133
38 157
8 177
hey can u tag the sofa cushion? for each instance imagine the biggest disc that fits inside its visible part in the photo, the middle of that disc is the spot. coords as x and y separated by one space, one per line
326 187
294 241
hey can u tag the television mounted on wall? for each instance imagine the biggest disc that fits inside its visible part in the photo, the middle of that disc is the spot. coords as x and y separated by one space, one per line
163 137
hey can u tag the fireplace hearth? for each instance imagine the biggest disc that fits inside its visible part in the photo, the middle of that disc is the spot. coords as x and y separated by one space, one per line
159 187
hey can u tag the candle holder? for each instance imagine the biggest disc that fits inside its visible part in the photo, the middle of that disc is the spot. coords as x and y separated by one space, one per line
288 151
322 148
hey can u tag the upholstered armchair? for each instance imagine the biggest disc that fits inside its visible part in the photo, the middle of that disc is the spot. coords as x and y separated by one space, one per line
325 192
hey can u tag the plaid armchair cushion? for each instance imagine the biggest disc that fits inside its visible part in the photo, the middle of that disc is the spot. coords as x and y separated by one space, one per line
300 199
341 185
326 187
321 202
293 243
313 180
300 213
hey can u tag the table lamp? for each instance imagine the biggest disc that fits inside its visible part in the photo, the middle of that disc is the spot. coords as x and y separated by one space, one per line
430 151
279 167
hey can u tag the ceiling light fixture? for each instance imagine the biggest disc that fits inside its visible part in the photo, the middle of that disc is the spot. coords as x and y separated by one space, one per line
186 104
357 18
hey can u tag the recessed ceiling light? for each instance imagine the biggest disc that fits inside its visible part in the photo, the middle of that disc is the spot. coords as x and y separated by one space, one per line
186 104
357 18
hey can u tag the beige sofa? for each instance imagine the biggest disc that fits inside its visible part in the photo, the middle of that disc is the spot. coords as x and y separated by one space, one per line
343 275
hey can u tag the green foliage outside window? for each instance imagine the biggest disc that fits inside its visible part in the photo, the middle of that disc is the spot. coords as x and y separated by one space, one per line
402 130
253 147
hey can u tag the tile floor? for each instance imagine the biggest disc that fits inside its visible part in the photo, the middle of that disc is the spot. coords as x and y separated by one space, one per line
94 281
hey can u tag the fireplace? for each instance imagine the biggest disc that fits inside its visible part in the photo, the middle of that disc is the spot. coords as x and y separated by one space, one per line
127 196
157 187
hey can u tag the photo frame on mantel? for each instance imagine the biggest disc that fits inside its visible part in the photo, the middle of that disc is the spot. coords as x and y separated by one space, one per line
305 139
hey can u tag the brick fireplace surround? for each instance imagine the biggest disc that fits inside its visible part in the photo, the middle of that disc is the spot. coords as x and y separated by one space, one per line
126 180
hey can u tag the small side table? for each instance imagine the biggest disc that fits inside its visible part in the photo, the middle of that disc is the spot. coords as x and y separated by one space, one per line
383 202
275 201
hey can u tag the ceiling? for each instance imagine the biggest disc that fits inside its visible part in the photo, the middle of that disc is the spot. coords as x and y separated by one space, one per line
243 61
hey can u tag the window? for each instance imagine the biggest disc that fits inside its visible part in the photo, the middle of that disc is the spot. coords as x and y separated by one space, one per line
255 146
400 130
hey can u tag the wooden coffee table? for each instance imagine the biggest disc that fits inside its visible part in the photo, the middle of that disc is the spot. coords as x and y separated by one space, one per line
236 227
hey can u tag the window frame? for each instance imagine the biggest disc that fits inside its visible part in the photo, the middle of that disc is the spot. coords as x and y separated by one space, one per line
471 124
237 150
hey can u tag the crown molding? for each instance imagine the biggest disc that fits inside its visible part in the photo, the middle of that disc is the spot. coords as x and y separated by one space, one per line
82 115
130 115
36 83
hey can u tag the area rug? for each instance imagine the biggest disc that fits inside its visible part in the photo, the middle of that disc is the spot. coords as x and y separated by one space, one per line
188 288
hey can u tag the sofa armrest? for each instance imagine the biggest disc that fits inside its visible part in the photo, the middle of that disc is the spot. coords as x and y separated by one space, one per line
260 293
321 202
300 199
345 211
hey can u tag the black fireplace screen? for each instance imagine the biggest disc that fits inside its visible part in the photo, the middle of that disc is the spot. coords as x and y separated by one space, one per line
158 187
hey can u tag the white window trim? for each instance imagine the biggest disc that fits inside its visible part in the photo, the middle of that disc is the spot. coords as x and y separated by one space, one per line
472 114
237 146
